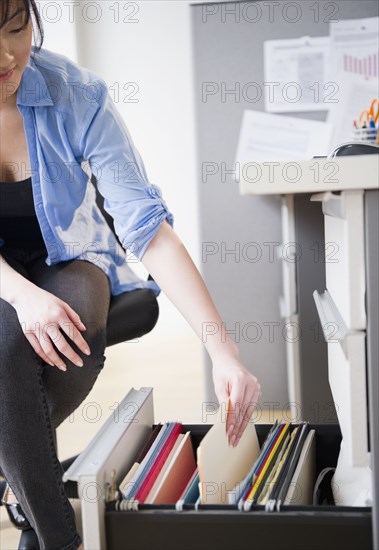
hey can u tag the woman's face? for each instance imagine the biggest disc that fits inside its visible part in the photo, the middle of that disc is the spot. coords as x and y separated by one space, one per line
15 48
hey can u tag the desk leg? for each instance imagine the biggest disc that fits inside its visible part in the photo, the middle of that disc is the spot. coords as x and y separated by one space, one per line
372 309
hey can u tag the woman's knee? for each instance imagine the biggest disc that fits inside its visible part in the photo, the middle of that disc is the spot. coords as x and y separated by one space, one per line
95 336
76 383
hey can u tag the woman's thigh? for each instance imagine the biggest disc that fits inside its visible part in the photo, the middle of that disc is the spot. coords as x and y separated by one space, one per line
85 288
14 347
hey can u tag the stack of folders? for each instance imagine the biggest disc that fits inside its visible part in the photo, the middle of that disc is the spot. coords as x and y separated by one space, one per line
166 472
284 472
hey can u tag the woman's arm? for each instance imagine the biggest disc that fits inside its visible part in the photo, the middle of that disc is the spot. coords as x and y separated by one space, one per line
137 208
168 261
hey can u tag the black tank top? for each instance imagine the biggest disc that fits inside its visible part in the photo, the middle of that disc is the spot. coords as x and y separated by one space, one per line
19 227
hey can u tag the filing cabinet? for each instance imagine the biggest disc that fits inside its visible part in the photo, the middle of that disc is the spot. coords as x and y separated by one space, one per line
342 312
343 285
106 525
348 311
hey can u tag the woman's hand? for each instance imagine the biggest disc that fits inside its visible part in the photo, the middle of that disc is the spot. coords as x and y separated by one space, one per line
233 382
42 317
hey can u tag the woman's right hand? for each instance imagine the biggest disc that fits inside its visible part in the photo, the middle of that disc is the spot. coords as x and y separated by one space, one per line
42 317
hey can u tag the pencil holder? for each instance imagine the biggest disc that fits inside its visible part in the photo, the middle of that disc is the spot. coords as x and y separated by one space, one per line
367 135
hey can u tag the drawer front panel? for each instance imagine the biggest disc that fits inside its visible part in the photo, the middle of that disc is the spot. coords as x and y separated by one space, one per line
238 531
344 255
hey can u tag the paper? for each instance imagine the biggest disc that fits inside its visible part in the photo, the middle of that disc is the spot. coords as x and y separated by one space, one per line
296 75
162 473
354 47
241 488
144 477
356 95
301 486
222 466
282 491
267 137
277 475
124 483
190 493
157 462
179 469
271 462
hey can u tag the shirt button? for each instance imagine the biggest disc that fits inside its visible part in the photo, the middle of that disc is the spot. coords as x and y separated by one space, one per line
40 206
153 191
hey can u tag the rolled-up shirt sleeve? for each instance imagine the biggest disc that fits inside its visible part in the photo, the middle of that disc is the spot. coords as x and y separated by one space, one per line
136 205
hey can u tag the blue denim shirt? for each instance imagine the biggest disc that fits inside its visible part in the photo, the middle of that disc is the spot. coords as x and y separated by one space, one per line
72 124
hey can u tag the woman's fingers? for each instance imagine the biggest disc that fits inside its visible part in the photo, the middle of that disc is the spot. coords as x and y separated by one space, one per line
244 399
76 325
75 317
247 411
60 342
70 324
47 346
236 401
46 327
71 329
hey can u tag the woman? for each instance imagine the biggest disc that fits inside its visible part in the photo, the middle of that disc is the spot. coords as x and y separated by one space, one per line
58 252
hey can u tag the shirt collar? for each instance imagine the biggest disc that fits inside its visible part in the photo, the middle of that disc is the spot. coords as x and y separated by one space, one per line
33 90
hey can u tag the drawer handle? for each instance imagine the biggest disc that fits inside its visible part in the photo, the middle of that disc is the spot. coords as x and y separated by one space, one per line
332 323
332 204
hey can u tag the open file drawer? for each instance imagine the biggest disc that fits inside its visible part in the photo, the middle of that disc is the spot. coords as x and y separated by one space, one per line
103 464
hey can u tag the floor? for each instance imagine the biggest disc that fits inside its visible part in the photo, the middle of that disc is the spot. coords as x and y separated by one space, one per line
172 366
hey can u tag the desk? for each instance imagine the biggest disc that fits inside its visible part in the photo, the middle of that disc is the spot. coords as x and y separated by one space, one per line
353 179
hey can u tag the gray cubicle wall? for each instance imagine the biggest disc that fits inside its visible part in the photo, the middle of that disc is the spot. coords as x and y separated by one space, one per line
228 55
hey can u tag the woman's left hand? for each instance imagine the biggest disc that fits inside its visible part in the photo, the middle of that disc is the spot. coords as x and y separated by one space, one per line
233 382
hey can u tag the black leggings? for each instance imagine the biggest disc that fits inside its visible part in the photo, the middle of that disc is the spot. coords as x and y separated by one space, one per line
36 397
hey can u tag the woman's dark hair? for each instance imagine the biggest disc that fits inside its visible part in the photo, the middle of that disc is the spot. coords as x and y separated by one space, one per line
30 8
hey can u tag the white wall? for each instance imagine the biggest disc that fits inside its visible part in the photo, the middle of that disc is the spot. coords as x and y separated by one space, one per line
147 49
59 27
